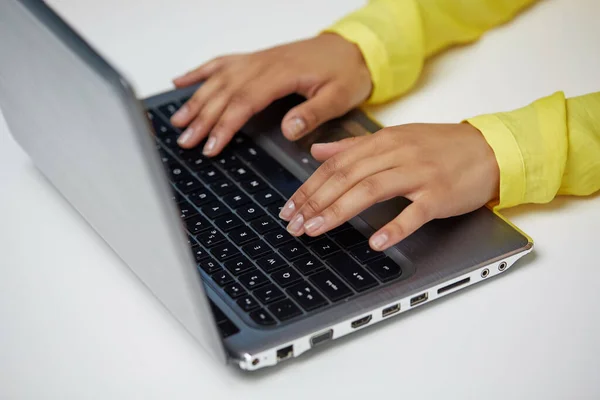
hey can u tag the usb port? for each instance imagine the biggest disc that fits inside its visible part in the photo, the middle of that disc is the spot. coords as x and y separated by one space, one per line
390 310
361 322
419 299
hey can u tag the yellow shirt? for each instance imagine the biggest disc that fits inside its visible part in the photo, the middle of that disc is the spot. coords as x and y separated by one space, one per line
547 148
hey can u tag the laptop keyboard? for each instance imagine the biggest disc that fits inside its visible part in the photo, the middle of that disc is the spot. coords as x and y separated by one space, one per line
230 204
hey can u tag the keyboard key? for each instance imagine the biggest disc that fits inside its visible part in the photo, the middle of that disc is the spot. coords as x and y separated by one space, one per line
278 237
268 294
211 175
250 211
352 273
199 253
201 197
160 127
242 173
306 296
253 279
222 278
197 224
236 199
349 238
217 312
271 263
275 209
186 210
385 269
262 317
284 310
209 265
242 235
196 161
266 197
168 109
235 290
210 238
293 250
309 239
248 303
324 248
214 209
228 222
170 141
330 285
264 224
191 241
238 265
223 187
254 185
227 159
177 198
365 253
188 185
340 228
224 251
286 276
177 172
308 264
256 249
227 329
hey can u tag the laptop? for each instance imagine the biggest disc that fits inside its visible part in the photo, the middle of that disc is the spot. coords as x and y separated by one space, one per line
203 234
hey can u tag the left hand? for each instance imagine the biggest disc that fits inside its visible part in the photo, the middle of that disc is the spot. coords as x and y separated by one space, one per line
444 169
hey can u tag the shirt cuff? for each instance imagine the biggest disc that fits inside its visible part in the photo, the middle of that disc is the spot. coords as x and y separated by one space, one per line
509 157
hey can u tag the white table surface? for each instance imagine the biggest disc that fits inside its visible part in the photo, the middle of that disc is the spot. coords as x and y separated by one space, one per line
76 324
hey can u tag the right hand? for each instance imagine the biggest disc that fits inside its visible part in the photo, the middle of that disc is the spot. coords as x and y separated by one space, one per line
327 70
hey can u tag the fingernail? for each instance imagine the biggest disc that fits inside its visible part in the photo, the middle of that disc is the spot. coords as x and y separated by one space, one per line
296 224
295 126
379 240
209 146
185 136
181 113
313 224
288 210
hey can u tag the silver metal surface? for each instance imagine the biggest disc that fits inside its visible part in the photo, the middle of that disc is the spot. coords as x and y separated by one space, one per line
84 129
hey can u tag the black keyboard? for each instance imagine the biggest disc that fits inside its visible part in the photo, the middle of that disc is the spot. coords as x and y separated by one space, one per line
230 205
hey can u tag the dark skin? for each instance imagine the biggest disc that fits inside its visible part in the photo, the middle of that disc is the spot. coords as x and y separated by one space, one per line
444 169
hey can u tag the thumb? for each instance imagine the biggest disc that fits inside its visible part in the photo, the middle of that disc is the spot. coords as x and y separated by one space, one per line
327 103
323 151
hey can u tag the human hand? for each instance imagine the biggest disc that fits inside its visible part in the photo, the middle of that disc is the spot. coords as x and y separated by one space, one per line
445 170
327 70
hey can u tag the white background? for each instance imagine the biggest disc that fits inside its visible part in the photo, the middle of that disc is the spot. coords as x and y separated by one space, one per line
76 324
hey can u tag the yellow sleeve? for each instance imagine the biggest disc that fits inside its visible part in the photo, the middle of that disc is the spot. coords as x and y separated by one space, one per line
550 147
396 36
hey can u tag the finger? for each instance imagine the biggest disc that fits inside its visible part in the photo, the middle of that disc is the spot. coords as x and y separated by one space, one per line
364 194
203 123
324 172
328 103
199 74
410 219
248 100
345 179
192 107
324 151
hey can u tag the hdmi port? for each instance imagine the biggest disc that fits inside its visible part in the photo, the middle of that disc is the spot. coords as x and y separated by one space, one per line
361 322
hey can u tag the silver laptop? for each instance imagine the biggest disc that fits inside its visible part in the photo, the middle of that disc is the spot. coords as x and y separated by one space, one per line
203 234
